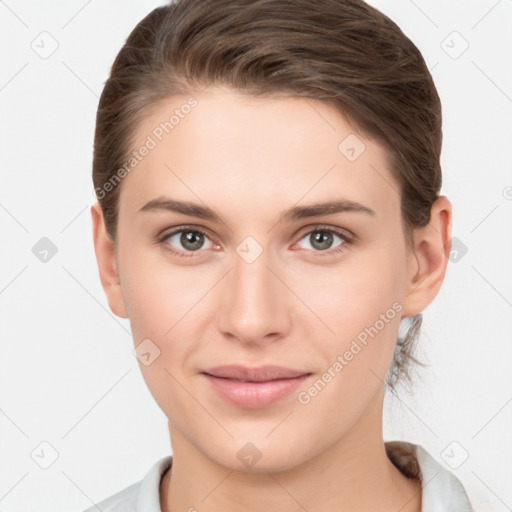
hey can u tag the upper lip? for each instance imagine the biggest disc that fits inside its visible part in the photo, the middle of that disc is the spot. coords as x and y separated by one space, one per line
259 374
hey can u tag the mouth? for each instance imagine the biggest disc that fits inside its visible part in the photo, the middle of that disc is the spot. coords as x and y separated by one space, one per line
259 374
254 388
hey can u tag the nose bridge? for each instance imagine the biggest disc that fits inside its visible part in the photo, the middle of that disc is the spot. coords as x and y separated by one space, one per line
255 304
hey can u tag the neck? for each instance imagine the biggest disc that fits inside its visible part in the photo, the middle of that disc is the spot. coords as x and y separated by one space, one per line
354 474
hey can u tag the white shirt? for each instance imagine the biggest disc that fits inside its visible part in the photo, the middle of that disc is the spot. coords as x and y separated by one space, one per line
442 490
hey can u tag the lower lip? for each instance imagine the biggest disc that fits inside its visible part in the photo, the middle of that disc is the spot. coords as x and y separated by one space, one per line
255 395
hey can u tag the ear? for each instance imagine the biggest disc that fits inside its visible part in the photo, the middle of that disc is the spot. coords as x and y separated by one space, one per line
428 262
104 247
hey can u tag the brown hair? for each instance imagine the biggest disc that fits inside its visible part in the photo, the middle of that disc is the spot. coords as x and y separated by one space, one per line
343 52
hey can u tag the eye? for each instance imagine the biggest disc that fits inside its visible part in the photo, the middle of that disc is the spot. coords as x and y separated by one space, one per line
321 239
185 240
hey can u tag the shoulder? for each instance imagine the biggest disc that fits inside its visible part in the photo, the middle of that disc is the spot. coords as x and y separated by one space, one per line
140 496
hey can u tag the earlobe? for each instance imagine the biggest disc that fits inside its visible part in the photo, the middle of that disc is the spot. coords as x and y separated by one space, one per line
432 245
104 248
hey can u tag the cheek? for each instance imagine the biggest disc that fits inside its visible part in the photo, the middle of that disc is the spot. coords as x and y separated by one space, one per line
168 305
353 296
363 313
157 293
359 304
160 302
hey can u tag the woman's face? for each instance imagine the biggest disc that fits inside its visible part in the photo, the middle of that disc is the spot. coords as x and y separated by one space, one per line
268 283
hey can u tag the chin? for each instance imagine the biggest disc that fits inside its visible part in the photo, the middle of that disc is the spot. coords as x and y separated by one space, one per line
258 453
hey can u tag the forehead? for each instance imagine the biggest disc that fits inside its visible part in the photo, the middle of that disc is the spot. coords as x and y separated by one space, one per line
234 150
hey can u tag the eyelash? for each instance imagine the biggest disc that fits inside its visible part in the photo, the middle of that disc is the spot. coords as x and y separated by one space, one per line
323 229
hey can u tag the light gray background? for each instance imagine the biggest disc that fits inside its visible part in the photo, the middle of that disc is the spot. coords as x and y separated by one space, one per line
68 376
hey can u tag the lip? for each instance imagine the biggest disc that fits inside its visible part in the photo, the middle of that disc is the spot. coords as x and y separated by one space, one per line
254 388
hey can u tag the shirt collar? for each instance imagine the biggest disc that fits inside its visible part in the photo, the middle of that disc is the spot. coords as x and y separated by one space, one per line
148 499
442 490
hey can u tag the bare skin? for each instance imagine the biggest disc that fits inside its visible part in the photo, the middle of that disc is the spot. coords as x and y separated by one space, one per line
296 305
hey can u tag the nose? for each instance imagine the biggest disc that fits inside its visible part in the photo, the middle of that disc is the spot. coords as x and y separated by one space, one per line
256 305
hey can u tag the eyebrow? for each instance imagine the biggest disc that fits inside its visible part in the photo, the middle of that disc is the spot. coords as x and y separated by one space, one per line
292 214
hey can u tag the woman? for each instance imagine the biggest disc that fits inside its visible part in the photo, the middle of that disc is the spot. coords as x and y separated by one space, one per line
268 214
